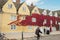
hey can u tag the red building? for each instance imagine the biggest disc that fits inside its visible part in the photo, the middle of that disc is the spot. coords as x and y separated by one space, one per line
39 20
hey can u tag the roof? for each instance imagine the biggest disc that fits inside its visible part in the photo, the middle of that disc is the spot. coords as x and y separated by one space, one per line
17 6
40 10
58 11
30 7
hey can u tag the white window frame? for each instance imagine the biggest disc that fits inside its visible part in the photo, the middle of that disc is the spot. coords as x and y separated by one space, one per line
13 27
33 19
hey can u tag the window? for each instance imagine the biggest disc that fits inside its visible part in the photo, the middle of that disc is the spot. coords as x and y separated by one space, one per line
13 27
33 19
55 22
50 21
9 6
13 17
23 18
30 27
44 21
24 8
35 10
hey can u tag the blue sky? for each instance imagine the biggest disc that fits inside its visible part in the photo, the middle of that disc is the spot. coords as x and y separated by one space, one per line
45 4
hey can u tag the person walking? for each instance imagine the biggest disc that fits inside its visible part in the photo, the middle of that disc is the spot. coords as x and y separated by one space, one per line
37 33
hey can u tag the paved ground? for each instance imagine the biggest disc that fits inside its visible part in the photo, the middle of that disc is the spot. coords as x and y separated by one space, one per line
50 37
30 36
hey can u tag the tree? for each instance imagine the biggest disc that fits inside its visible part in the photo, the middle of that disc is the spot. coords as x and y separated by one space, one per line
2 2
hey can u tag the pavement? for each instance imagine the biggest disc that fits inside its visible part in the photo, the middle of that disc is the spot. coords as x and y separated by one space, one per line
52 33
50 37
32 36
53 36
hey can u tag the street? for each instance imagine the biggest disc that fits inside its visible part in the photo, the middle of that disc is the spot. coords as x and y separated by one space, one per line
49 37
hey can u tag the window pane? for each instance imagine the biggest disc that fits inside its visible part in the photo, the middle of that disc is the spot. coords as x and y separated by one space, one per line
30 27
24 8
9 6
35 10
50 21
13 17
13 27
23 18
44 21
33 19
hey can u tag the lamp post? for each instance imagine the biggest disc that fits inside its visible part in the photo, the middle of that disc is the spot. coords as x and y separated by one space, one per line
23 28
22 33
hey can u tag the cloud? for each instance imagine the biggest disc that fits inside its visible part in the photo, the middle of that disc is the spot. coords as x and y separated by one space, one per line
32 1
14 0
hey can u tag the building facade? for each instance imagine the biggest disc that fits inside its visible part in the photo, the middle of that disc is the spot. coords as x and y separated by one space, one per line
9 13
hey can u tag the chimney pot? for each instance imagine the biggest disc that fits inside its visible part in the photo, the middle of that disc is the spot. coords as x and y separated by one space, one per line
18 1
32 5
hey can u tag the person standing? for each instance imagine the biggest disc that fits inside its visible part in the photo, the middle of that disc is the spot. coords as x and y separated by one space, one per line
37 33
48 31
44 30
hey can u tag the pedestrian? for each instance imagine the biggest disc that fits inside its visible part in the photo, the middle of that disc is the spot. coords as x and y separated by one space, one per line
48 31
0 35
44 30
37 33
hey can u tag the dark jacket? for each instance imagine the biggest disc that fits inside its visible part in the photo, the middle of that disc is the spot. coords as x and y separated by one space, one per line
37 31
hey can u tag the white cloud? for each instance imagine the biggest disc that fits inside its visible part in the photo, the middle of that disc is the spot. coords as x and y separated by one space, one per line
14 0
31 1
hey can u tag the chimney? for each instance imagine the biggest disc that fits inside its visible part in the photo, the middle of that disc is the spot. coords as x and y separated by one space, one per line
18 1
32 5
